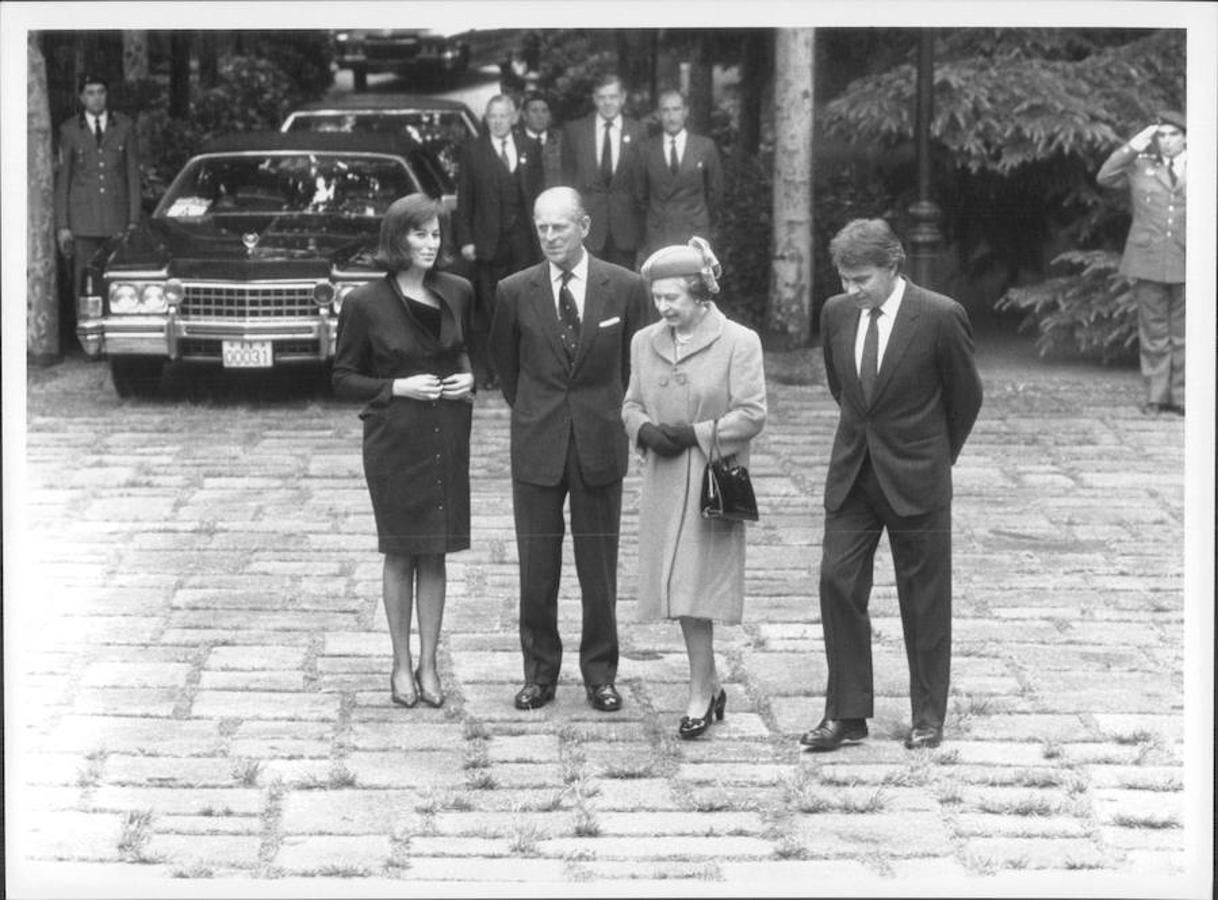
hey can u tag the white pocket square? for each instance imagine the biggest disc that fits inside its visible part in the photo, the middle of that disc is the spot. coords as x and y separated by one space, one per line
608 322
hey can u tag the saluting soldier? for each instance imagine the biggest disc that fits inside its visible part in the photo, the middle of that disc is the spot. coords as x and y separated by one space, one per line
97 193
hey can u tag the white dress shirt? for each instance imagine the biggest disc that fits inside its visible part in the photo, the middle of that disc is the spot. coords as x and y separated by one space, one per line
540 137
578 285
94 120
888 315
615 138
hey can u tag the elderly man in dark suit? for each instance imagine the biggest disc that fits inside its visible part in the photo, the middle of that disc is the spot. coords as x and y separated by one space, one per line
683 179
1151 164
500 177
899 362
97 192
603 160
561 336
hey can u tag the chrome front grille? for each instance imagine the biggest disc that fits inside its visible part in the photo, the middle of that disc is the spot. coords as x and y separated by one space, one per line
248 301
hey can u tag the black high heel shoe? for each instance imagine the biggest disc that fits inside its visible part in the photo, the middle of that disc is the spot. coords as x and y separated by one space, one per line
399 699
690 728
435 701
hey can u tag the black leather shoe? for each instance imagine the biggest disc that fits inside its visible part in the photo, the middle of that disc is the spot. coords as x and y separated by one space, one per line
832 733
534 696
604 697
689 728
923 738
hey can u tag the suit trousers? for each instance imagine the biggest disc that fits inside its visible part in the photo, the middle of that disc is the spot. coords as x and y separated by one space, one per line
1161 339
595 521
922 559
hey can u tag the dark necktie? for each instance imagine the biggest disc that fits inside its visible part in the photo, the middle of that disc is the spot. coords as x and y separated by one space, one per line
1171 171
503 155
607 155
568 317
869 367
674 164
97 130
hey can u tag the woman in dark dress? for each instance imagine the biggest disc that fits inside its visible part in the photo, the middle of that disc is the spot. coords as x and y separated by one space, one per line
401 350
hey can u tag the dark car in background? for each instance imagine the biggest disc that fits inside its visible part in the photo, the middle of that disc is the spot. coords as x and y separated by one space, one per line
419 52
247 258
442 126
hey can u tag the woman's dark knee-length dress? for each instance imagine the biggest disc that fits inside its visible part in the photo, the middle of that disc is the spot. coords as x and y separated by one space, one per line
416 453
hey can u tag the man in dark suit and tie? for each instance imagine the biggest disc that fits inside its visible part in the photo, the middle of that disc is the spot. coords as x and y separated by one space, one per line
499 178
603 161
899 362
536 125
97 191
683 179
561 337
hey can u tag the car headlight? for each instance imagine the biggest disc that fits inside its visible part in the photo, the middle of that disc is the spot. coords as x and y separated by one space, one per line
323 294
135 297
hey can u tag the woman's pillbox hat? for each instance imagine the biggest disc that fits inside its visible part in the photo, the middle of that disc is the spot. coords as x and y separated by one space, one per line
679 260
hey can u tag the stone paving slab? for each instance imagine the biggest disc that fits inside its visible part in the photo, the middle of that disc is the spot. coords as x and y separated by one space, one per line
202 699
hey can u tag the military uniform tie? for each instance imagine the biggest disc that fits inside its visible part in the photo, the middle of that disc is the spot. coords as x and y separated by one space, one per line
568 317
869 367
97 133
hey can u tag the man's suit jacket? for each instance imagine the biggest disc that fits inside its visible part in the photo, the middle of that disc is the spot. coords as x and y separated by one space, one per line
551 156
926 399
553 400
97 193
482 180
682 205
1154 248
617 208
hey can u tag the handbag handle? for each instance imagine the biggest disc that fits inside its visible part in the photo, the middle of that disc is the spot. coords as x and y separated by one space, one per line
716 452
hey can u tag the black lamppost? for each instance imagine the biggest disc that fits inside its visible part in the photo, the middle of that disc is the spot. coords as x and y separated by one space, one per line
924 236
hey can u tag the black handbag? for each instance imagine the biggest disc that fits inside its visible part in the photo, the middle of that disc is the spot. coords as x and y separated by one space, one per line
727 492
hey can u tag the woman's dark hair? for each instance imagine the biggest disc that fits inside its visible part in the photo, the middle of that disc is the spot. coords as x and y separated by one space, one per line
403 216
866 242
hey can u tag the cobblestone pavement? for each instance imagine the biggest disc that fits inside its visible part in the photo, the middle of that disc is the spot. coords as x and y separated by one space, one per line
199 663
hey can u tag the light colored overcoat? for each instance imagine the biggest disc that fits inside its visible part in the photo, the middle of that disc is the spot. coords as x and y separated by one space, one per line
690 566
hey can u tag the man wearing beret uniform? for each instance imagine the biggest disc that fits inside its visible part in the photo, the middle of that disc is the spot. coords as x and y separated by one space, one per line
1152 164
899 363
97 191
561 338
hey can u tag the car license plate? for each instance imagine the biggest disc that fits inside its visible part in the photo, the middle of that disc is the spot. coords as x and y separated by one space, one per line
246 354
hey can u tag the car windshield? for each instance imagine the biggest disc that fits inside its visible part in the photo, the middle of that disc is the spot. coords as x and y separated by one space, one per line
439 130
277 183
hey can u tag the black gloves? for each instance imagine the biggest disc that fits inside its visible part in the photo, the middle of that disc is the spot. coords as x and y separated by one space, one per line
681 435
657 442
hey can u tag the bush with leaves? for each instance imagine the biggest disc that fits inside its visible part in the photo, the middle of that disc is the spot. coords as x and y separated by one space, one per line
1023 118
1090 310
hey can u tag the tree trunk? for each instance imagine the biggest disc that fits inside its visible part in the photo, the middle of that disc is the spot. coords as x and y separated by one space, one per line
135 55
42 289
790 306
209 59
754 68
701 83
179 74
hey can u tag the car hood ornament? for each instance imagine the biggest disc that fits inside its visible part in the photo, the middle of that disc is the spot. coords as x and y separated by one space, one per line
250 240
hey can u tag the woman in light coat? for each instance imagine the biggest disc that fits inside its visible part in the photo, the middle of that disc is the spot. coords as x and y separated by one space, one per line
692 368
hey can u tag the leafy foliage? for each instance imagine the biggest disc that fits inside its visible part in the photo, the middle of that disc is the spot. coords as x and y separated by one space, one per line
1022 120
1091 309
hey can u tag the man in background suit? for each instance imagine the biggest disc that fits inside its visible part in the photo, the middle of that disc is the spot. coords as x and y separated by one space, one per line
561 337
499 178
603 161
535 113
97 192
899 362
683 180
